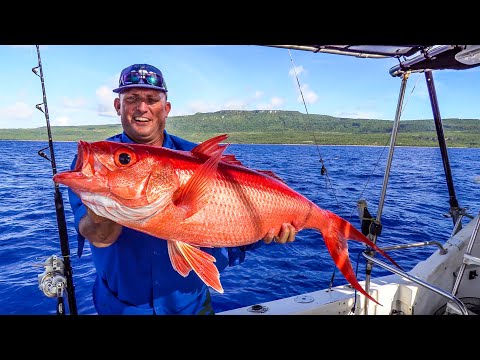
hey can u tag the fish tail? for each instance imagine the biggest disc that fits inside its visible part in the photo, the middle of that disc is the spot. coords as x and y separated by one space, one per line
336 231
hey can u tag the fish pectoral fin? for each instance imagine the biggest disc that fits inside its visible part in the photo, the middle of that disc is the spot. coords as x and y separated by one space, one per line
179 263
185 257
194 195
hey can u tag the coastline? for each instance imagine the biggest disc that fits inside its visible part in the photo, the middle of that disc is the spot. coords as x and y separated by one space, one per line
262 144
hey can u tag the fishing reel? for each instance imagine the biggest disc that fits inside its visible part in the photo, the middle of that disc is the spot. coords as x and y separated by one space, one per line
370 226
53 281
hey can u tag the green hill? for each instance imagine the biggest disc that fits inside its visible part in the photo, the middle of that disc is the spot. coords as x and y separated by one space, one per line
279 127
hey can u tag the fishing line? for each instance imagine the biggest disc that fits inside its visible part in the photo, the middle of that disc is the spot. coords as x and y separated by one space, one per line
355 292
371 174
323 171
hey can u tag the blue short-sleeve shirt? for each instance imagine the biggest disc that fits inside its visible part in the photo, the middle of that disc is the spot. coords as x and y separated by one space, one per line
135 275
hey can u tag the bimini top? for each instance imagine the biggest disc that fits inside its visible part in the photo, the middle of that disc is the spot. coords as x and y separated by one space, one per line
412 58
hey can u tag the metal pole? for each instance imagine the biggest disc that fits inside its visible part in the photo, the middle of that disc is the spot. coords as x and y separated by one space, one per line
454 208
385 180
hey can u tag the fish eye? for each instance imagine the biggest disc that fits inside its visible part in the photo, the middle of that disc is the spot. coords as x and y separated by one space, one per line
124 157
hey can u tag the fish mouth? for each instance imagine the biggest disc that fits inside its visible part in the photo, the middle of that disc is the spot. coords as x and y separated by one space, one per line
84 154
82 173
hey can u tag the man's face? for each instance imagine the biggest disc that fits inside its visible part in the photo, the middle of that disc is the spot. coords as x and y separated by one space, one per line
143 113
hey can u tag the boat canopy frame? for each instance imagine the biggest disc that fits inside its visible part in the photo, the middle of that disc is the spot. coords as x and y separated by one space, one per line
412 58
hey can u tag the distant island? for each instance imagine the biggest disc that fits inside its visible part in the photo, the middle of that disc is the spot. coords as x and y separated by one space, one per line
279 127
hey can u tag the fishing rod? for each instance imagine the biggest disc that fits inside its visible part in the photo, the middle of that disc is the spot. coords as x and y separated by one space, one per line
57 276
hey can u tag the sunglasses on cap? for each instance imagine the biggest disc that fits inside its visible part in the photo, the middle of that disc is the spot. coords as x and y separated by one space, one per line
142 77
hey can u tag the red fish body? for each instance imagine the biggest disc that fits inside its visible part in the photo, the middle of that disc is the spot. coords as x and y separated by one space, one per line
199 198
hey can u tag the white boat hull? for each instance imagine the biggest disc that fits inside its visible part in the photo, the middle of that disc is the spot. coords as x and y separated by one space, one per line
397 294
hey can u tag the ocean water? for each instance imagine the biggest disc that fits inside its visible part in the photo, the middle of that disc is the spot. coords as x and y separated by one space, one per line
416 200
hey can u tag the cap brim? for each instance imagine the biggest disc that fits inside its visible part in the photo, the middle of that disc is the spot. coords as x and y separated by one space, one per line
147 86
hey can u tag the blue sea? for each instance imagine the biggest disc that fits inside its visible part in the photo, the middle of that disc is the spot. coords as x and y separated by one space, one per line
416 200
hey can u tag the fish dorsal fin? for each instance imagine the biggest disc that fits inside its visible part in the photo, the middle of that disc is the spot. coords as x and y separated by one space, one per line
211 146
271 174
195 193
185 257
231 159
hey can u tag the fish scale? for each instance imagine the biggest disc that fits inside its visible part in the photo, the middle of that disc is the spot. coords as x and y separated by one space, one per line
240 212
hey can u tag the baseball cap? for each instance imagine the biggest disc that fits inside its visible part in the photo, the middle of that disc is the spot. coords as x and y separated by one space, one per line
143 76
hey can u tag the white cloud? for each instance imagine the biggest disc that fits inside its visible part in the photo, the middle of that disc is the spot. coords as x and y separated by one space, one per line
297 70
19 115
77 103
249 103
17 111
196 106
274 104
105 98
276 101
258 94
309 96
61 121
358 114
237 104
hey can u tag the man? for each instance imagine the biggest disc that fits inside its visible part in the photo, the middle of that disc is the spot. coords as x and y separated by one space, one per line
134 272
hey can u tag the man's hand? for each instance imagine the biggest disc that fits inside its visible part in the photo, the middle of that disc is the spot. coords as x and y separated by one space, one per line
100 231
287 234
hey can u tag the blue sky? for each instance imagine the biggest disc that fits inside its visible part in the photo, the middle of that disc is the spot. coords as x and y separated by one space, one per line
204 78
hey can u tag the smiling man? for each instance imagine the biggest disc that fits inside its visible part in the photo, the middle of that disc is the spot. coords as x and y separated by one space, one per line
134 272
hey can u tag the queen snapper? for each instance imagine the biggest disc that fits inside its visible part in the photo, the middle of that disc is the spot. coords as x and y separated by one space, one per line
199 198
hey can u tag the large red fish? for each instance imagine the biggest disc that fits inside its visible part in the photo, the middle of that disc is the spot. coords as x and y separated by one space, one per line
199 198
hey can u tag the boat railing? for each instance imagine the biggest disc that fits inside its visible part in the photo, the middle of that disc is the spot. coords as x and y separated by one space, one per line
454 300
418 244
